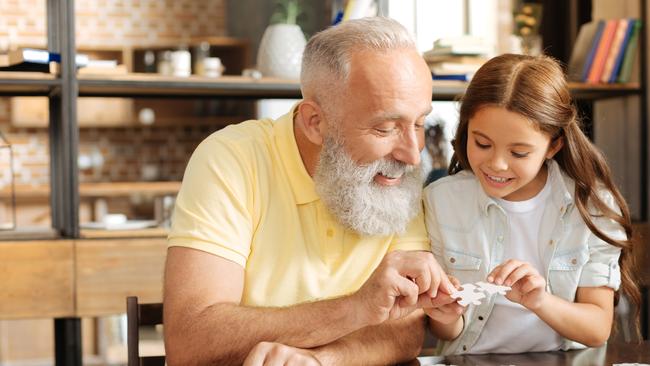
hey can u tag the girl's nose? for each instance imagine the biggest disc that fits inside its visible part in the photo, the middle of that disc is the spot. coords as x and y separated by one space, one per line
498 163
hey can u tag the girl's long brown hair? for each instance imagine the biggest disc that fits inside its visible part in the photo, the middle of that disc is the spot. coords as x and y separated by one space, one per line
536 88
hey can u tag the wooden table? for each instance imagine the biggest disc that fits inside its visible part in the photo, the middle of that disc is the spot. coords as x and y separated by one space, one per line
606 355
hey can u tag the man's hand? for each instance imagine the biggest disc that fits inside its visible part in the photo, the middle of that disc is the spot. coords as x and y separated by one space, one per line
270 353
403 282
448 313
528 286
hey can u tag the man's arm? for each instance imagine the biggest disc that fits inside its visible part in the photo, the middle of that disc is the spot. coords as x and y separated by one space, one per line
205 324
388 343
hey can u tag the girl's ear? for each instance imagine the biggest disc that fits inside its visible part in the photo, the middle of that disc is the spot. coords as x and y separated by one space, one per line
555 146
312 121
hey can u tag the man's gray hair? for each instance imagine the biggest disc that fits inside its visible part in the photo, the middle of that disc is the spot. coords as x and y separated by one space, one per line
326 59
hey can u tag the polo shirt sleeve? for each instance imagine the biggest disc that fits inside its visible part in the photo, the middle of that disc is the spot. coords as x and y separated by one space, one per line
602 268
415 236
213 207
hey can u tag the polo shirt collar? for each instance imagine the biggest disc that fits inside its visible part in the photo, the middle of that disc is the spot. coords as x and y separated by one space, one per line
302 184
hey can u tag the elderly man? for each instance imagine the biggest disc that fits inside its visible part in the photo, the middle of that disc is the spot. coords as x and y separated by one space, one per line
301 240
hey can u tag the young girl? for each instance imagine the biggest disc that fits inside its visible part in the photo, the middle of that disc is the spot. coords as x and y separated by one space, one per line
530 204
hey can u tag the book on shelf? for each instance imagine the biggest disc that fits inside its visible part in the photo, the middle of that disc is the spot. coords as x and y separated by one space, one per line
459 59
28 59
631 25
600 58
592 50
604 51
630 54
32 59
614 50
446 68
459 46
456 77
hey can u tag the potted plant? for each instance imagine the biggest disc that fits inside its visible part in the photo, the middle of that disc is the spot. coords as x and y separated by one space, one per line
282 45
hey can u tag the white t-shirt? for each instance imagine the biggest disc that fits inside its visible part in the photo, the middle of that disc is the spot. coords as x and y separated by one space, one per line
511 328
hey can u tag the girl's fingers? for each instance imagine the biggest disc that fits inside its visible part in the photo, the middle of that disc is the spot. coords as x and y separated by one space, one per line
454 281
532 283
518 273
500 272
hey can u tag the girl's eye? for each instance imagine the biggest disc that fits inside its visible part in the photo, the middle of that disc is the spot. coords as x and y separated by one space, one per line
519 155
481 146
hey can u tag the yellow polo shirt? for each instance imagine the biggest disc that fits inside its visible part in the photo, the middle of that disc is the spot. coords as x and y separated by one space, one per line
247 197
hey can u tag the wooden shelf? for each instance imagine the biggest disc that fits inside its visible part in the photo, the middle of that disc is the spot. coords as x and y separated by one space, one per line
155 232
29 233
27 83
94 190
602 91
450 90
138 84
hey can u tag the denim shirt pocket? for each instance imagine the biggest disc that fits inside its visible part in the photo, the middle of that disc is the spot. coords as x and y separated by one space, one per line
564 272
464 266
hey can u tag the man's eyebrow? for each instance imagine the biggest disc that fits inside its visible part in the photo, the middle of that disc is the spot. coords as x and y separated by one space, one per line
522 144
387 117
396 116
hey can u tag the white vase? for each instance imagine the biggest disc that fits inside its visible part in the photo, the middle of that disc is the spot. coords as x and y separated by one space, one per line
280 52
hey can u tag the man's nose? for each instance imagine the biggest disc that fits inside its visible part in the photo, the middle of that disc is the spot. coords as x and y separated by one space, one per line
408 149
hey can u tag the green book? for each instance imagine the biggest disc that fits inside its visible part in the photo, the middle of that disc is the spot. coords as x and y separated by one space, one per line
630 54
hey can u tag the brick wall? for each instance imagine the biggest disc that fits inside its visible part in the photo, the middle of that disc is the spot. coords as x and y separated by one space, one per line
126 152
116 22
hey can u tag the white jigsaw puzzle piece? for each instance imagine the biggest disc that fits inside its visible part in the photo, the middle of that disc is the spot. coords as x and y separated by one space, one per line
492 289
468 295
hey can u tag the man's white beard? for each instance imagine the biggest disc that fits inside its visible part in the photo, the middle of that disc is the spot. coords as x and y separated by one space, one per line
350 193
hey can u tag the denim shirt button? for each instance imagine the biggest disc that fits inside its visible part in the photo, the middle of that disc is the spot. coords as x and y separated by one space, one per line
551 242
480 317
452 260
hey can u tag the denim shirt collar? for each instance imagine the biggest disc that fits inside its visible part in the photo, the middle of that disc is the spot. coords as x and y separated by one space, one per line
562 188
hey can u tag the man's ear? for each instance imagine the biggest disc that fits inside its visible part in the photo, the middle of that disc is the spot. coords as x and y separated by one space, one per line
310 116
555 146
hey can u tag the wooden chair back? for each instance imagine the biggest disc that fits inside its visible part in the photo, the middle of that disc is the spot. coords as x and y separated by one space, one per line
141 315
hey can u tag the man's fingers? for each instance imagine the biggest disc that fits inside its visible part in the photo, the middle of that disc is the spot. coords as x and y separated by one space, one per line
426 301
407 290
423 280
435 281
447 286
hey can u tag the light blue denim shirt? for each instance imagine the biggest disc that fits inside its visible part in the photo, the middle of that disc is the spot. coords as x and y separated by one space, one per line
468 232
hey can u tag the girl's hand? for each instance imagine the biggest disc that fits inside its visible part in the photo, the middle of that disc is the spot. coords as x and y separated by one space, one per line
449 313
528 286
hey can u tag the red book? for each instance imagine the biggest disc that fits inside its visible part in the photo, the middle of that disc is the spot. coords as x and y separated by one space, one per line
616 49
603 50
